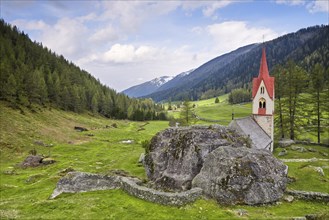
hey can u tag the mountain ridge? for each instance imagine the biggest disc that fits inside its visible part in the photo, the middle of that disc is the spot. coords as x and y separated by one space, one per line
237 68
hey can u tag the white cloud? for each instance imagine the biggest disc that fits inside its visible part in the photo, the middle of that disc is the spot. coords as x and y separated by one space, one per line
318 6
131 14
208 7
233 34
209 10
127 53
30 25
66 37
291 2
104 34
312 6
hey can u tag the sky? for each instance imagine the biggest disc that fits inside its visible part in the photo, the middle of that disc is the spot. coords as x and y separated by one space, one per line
125 43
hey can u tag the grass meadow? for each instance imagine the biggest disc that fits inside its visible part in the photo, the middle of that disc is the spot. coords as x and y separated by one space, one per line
24 193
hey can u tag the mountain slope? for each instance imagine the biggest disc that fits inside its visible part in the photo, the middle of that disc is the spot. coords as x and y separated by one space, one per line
33 76
236 69
147 87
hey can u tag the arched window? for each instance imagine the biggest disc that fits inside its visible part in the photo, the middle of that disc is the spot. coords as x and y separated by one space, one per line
262 90
262 103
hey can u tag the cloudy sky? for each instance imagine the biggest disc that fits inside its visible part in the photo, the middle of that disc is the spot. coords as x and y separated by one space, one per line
124 43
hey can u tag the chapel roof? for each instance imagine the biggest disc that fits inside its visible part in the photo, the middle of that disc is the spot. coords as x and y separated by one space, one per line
248 127
263 76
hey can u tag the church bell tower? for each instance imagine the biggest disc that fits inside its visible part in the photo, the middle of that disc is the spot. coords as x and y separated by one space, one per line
263 99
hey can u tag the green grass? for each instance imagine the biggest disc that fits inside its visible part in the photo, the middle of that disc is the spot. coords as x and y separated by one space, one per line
319 152
24 194
221 111
307 179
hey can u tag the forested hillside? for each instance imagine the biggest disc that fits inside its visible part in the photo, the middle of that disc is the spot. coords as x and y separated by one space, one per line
236 69
32 75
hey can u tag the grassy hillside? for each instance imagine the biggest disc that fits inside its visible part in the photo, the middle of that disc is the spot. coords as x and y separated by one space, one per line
24 192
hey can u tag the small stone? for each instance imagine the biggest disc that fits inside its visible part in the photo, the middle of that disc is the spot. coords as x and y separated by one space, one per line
288 198
283 152
319 170
99 163
324 154
314 159
127 141
311 149
40 143
295 148
78 128
48 160
241 212
9 172
32 161
141 158
311 217
285 142
302 149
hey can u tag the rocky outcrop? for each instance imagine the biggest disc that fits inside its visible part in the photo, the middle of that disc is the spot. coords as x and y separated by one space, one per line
242 176
75 182
176 155
218 160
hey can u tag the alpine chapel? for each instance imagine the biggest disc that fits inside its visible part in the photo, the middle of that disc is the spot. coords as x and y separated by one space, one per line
260 125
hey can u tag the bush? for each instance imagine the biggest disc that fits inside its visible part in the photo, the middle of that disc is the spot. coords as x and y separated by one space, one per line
239 96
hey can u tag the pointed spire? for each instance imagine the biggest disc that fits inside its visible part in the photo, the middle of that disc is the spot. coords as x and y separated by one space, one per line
263 70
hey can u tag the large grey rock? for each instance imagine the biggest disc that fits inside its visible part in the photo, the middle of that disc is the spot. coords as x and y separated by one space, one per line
242 176
176 155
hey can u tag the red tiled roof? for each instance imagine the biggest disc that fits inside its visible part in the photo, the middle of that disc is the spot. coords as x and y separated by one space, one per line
265 76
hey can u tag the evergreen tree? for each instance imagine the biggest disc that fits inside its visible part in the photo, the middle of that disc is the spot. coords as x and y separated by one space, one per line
279 93
318 83
186 114
296 80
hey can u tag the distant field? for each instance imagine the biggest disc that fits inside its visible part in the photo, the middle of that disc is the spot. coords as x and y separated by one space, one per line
221 112
24 192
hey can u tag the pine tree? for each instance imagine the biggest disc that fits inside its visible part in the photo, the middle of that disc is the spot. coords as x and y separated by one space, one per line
186 114
317 84
295 83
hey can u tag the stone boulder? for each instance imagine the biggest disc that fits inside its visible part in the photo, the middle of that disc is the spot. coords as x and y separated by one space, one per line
216 159
176 155
242 176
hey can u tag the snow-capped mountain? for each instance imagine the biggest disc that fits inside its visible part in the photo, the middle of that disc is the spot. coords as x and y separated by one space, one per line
147 87
161 80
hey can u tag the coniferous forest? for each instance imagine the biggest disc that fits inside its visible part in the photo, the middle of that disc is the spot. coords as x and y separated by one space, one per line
32 75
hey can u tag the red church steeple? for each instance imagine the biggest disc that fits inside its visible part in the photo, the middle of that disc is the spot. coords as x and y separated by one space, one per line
263 76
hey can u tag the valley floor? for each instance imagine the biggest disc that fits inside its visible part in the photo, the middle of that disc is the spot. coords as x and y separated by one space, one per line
105 148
